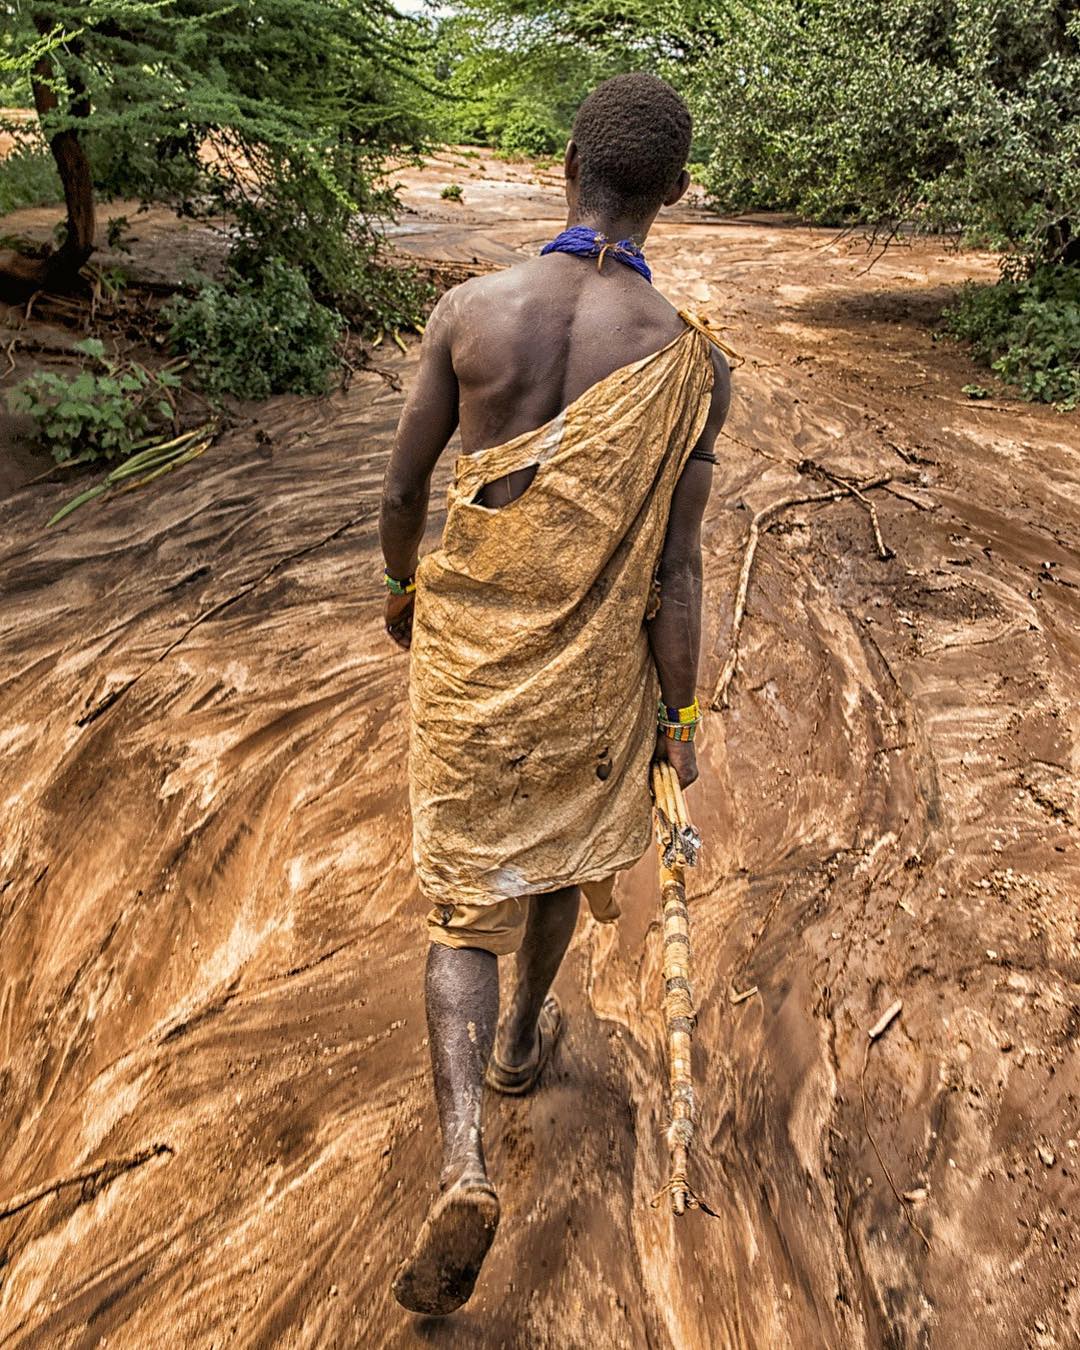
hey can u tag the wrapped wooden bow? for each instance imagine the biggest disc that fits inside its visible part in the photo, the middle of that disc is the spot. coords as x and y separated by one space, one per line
677 844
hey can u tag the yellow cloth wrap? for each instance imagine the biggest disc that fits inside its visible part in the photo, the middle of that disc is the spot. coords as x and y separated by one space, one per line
533 690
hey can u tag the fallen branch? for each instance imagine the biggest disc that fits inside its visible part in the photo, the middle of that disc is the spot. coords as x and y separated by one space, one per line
95 1177
908 495
764 518
810 466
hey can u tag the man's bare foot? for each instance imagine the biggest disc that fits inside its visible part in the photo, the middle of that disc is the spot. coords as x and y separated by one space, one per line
440 1272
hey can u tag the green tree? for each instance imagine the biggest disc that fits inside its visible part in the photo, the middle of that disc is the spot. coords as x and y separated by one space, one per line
278 112
516 70
961 115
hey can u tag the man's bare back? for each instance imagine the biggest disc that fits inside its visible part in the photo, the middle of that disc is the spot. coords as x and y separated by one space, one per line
511 350
527 342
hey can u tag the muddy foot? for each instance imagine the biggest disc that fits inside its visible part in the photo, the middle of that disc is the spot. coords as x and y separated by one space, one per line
439 1273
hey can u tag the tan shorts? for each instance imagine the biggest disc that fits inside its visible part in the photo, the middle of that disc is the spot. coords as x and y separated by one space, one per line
500 926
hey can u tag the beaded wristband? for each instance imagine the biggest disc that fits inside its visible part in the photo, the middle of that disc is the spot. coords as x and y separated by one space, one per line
679 731
665 713
405 587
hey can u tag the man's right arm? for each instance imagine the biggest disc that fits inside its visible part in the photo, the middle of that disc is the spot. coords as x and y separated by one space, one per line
427 422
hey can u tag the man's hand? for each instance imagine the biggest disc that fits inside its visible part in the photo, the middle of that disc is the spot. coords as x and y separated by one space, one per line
681 755
399 617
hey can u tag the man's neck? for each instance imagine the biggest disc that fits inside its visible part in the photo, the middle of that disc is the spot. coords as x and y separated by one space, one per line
611 227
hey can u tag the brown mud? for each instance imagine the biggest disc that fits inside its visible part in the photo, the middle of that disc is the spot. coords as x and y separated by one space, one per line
216 1126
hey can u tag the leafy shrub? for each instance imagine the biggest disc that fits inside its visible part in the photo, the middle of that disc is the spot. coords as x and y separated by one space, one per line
959 117
1027 329
258 335
28 178
94 415
526 132
452 192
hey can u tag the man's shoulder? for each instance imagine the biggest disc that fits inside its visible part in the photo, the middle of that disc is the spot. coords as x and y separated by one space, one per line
522 281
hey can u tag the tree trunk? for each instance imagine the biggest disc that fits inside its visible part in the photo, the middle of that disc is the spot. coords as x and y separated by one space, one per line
20 276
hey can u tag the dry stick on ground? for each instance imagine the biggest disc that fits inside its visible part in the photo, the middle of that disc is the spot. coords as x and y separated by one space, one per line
877 1030
747 956
101 1173
811 466
762 520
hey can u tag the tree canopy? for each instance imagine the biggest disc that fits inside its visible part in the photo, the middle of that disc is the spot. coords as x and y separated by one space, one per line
280 112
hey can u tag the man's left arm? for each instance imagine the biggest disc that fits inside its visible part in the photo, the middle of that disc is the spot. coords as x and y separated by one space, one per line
675 630
427 422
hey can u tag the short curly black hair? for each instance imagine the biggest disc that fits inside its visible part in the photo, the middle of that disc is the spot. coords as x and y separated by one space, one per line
633 140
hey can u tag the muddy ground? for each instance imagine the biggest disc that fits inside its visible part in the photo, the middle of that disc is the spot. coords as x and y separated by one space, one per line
216 1126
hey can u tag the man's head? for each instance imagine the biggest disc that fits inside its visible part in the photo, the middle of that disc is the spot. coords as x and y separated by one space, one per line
628 149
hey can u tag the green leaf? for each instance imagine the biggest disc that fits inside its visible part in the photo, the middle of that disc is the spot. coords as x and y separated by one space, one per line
78 501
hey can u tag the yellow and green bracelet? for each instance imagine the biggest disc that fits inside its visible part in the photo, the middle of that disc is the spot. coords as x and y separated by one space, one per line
396 587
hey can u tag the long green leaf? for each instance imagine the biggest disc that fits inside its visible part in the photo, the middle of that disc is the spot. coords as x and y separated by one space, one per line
76 502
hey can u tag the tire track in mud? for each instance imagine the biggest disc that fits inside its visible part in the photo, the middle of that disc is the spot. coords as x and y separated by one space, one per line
211 934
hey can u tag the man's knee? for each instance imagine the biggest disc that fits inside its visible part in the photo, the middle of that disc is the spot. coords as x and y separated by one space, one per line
498 928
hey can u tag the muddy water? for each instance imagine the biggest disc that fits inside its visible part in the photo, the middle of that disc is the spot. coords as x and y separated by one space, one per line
216 1125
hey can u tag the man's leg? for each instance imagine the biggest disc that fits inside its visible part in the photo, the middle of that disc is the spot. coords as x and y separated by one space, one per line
548 932
462 991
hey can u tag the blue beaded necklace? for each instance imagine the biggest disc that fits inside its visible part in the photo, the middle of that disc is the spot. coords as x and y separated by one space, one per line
584 242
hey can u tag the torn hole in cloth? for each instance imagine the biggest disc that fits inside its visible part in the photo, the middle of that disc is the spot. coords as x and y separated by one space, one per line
502 491
519 459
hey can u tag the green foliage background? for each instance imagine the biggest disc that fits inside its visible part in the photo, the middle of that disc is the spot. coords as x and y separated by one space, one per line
278 113
257 335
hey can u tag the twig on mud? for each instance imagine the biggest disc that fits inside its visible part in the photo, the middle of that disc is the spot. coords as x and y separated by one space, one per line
906 495
812 466
76 463
886 1020
876 1031
762 520
755 449
110 700
756 937
94 1177
24 344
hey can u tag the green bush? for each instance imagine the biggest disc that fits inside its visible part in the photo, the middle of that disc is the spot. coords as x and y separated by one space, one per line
1027 330
452 192
258 335
526 132
29 178
959 117
95 415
